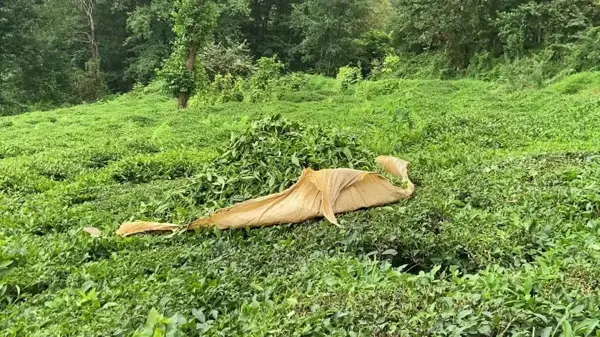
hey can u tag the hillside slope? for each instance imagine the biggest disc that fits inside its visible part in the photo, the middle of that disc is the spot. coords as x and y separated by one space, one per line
502 236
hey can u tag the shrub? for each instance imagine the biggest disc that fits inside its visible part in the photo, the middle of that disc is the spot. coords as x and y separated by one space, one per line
223 89
90 83
391 64
268 69
293 82
259 87
433 65
348 76
157 86
234 60
386 68
374 46
264 79
370 89
534 71
577 83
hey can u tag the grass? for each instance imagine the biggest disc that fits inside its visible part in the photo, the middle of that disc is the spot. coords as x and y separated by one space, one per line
500 239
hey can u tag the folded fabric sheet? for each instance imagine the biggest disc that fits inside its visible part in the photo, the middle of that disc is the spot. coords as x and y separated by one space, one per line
322 193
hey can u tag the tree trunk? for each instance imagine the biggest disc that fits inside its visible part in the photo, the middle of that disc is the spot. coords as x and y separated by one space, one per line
88 7
190 64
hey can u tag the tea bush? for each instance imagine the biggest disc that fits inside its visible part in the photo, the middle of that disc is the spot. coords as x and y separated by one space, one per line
501 237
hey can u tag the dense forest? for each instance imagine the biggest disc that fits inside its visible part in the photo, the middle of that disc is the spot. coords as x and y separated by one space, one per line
60 52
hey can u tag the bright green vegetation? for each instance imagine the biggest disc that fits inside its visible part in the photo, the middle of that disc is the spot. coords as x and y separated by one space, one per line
502 236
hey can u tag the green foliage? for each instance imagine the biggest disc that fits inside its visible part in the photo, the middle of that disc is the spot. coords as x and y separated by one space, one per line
298 87
268 31
48 56
331 31
586 83
265 84
218 59
90 83
150 34
493 168
294 82
374 46
34 69
389 67
258 87
222 89
415 66
193 24
159 326
509 28
391 63
531 72
175 75
194 20
535 24
144 169
262 82
268 70
457 30
584 54
348 76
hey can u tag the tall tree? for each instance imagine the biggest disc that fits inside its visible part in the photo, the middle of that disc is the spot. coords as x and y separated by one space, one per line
194 24
88 7
93 70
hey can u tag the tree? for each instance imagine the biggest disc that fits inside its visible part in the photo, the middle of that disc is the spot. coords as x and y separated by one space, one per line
536 24
459 28
194 22
93 72
149 40
233 14
268 30
34 69
90 34
331 30
16 20
88 7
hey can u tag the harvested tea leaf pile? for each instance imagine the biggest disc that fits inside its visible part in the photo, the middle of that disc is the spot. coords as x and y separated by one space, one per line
266 158
502 237
270 155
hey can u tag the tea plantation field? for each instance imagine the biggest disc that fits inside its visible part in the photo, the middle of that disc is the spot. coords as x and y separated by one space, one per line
501 239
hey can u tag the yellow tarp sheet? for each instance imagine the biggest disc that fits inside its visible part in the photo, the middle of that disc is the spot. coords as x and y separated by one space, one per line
322 193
